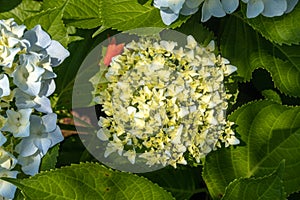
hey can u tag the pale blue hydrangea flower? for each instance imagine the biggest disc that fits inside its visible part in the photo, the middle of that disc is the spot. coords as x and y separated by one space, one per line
33 77
218 8
44 134
18 122
39 103
41 42
28 74
4 85
269 8
7 190
30 164
169 9
190 7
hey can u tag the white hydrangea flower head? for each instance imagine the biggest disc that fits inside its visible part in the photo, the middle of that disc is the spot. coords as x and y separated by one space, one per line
163 101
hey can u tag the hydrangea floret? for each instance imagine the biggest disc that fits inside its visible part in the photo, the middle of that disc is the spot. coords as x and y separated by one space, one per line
27 123
163 102
171 9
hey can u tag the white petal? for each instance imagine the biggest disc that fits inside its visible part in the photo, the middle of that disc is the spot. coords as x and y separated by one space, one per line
57 53
290 5
230 69
274 7
193 3
4 85
168 17
254 8
206 15
215 8
230 5
176 5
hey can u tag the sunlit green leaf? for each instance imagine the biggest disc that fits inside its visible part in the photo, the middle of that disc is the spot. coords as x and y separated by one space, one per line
25 9
51 21
269 132
264 188
129 14
247 50
89 181
78 13
282 30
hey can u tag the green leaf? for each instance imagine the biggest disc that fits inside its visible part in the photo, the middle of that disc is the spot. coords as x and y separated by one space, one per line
129 14
269 132
247 50
182 183
8 5
51 22
272 96
99 81
67 71
71 149
50 159
197 30
282 30
78 13
264 188
88 181
25 9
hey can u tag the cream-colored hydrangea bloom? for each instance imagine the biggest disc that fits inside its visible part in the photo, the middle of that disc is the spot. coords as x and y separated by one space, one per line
162 102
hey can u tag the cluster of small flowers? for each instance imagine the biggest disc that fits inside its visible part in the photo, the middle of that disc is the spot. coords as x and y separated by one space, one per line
170 9
27 124
161 102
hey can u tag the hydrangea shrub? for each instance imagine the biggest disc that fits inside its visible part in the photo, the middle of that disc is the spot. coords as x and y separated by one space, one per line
260 38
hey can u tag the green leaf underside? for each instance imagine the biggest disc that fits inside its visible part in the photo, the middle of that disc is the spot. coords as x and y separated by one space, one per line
89 181
78 13
129 14
248 51
22 11
269 132
50 159
51 22
264 188
282 30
